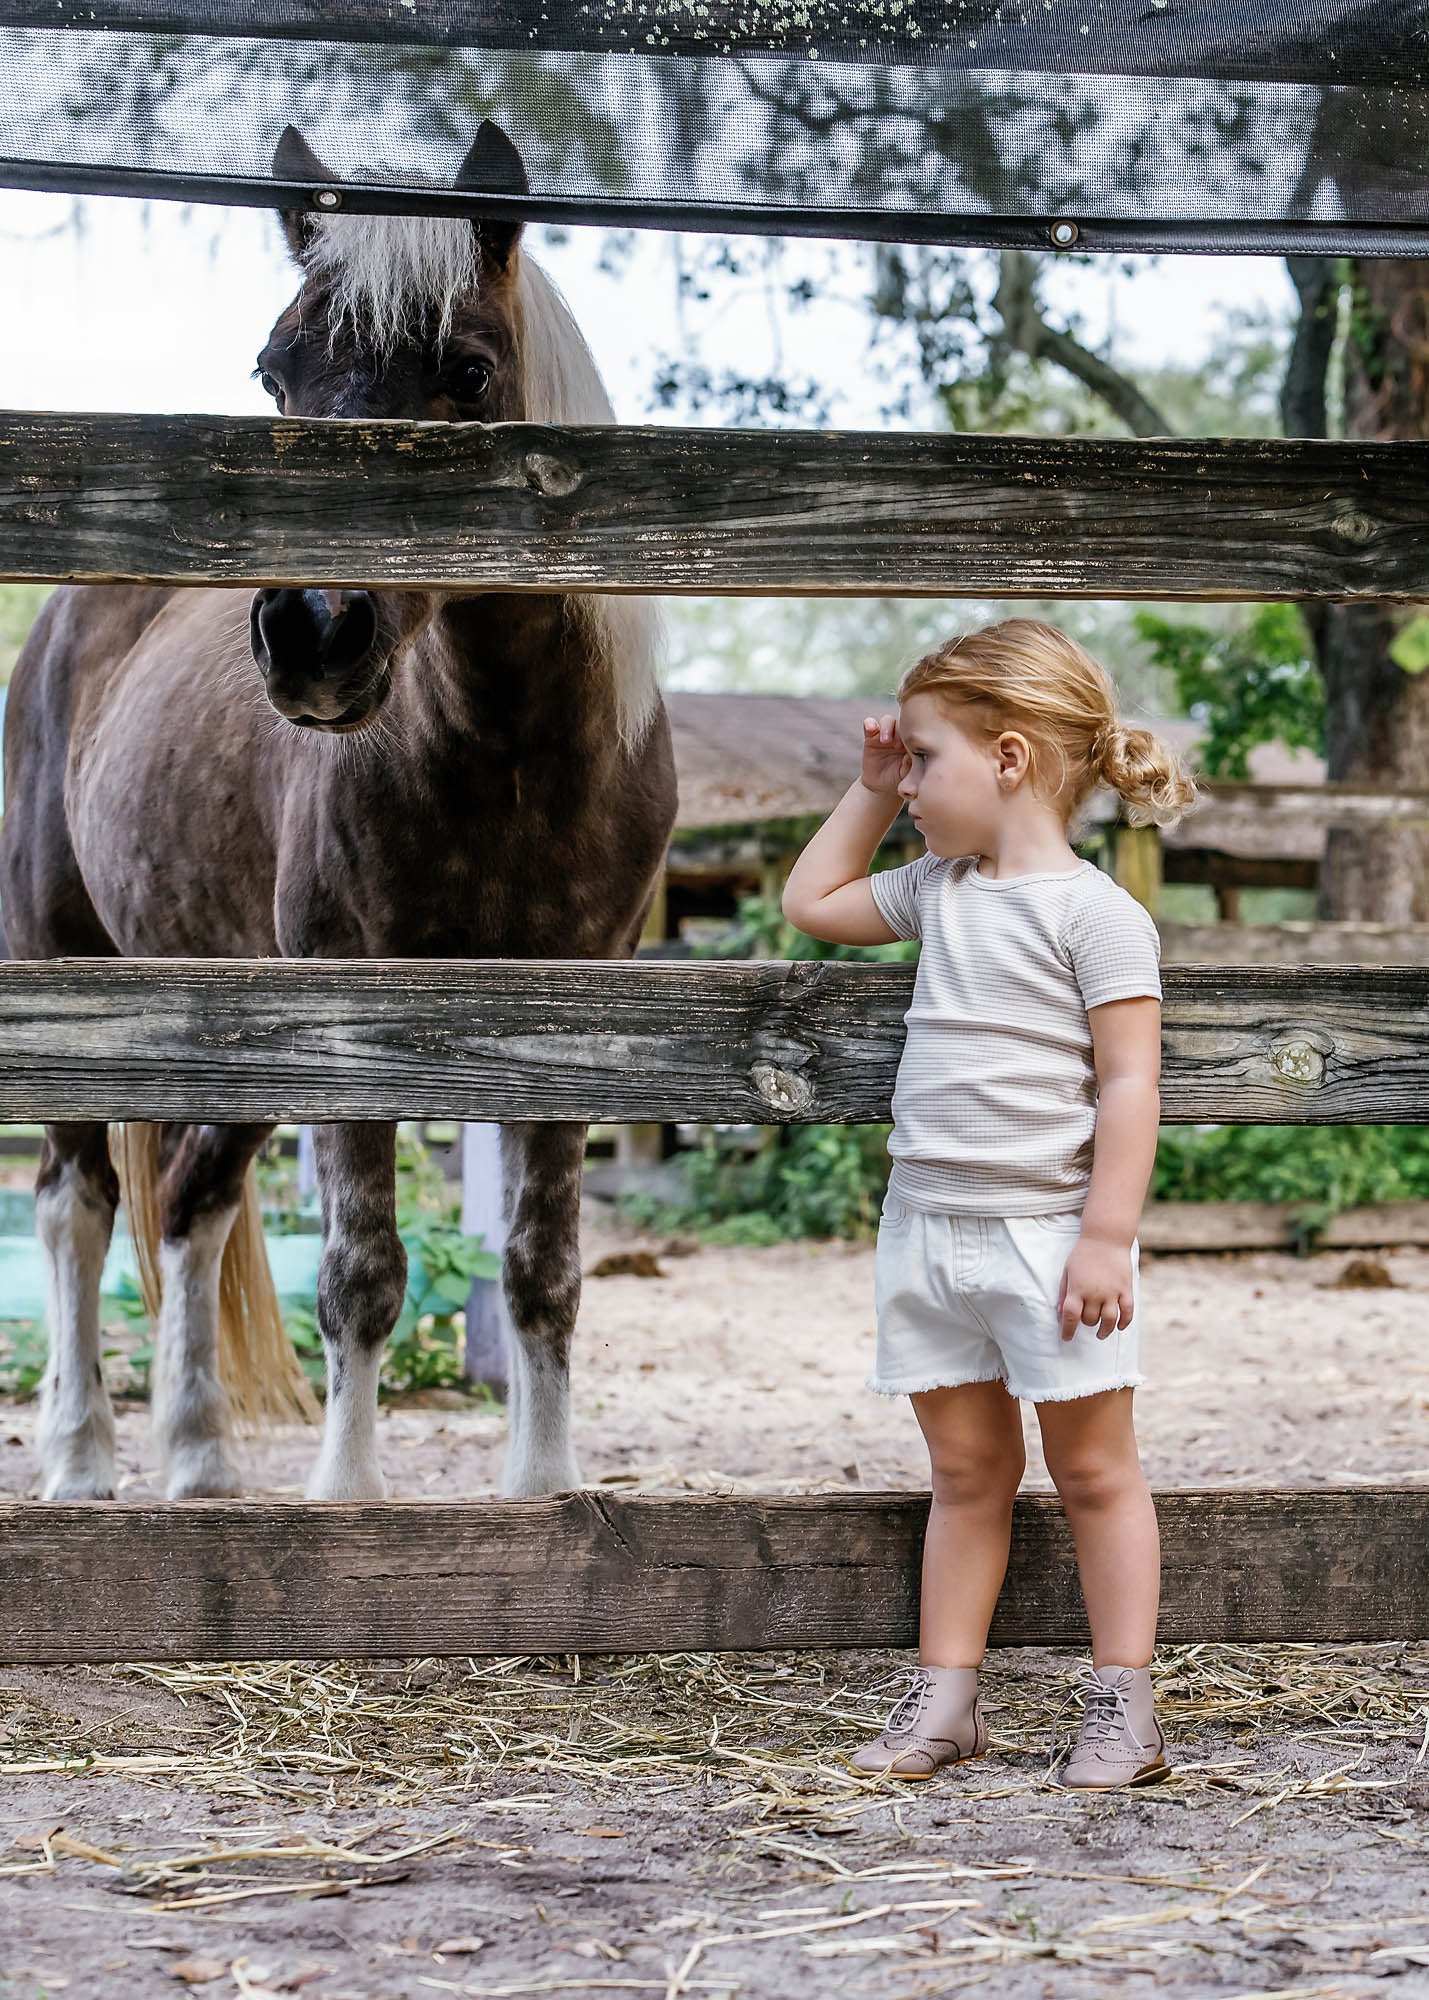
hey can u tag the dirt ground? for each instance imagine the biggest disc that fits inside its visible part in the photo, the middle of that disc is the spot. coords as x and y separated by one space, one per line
745 1368
686 1824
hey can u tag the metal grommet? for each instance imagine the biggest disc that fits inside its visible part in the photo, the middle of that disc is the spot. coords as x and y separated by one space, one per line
326 198
1064 234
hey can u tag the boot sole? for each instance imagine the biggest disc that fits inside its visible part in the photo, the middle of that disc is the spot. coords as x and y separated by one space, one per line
1149 1774
915 1777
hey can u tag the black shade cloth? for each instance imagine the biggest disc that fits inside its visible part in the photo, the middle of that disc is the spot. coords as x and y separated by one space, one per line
1104 124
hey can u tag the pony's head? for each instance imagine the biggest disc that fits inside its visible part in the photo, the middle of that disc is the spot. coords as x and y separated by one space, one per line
401 316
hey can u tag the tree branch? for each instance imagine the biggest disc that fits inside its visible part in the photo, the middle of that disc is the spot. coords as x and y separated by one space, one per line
1028 332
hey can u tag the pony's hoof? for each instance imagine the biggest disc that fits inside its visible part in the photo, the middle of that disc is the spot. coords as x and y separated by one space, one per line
347 1482
69 1482
539 1478
203 1472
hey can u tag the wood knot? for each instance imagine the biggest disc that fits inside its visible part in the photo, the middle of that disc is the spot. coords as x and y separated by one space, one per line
1352 526
1298 1062
781 1089
550 475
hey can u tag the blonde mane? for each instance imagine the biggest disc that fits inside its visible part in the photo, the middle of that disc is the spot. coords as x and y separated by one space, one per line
383 274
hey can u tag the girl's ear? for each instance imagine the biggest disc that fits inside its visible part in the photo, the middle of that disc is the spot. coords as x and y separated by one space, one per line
1014 756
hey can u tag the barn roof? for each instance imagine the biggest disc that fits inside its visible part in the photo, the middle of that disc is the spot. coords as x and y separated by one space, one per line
751 758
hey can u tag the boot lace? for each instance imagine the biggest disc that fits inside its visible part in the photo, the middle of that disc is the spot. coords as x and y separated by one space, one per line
1104 1711
908 1705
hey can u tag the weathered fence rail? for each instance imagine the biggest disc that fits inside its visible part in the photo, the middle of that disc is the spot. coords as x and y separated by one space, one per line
190 500
591 1572
758 1041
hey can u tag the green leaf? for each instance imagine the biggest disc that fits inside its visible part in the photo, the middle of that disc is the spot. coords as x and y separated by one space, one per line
1409 648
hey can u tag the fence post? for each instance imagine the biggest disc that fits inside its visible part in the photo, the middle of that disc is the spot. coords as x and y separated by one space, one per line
486 1341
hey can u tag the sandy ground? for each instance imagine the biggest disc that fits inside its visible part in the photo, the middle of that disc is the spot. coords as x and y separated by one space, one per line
686 1825
746 1368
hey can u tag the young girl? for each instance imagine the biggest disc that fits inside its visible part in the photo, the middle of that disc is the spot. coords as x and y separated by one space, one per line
1024 1131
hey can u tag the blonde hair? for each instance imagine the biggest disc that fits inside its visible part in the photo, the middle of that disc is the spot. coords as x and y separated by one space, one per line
1025 675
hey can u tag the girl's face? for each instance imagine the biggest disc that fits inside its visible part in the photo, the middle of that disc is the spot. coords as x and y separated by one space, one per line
951 785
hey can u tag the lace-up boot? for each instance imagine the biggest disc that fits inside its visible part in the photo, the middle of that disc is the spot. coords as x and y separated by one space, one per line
938 1721
1120 1742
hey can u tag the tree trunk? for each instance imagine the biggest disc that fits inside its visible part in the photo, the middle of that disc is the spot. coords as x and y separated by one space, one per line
1377 715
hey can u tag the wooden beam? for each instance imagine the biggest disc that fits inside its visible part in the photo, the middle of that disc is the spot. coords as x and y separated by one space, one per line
190 500
1179 1226
760 1041
1294 943
592 1572
1237 871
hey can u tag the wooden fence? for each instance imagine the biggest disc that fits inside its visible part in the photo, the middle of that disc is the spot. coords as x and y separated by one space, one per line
523 507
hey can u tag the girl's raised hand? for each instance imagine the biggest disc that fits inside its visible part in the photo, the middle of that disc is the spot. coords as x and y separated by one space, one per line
885 761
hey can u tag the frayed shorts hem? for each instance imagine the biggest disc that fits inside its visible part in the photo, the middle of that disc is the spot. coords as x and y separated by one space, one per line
933 1382
1061 1394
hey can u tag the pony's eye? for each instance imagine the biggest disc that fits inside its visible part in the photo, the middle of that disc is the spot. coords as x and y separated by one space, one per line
475 380
271 386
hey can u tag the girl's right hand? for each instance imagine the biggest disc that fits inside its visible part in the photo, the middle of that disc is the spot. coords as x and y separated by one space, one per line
885 761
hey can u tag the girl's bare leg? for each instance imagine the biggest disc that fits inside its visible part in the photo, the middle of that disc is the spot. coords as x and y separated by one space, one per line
974 1439
1091 1454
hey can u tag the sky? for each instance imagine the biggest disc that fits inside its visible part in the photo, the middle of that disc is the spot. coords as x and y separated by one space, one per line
120 305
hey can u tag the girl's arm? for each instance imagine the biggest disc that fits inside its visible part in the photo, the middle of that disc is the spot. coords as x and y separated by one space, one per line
1126 1047
827 894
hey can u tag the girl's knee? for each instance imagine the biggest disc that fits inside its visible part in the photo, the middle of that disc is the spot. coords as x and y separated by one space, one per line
977 1479
1096 1478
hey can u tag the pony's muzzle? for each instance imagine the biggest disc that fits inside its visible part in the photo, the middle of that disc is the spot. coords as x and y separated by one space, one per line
316 651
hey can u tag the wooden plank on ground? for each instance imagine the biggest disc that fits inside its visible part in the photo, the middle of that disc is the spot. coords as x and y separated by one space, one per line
530 507
593 1572
759 1041
1171 1226
763 1041
1294 943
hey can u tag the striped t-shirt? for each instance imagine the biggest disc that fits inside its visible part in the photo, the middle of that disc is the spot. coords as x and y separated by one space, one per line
995 1104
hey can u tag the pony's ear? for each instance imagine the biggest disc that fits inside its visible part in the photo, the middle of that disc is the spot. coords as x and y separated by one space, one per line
494 166
295 160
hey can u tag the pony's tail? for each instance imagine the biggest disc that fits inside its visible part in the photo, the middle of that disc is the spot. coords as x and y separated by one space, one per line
256 1360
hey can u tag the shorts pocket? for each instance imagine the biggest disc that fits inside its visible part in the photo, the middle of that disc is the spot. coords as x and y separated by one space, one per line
894 1218
1052 1224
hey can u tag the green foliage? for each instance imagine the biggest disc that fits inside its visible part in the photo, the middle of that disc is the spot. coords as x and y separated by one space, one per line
22 1357
814 1180
1249 683
761 930
1325 1167
1409 648
19 604
425 1350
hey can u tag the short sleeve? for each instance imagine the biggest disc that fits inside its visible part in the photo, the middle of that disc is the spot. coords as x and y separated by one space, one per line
1115 949
896 892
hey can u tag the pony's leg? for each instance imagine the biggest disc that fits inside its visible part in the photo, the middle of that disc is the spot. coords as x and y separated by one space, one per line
75 1199
361 1284
201 1170
541 1169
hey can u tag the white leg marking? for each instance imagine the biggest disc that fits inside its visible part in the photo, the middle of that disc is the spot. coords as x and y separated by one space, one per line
540 1455
347 1467
75 1432
191 1416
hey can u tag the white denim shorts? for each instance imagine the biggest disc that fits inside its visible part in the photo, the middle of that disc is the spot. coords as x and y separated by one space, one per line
973 1298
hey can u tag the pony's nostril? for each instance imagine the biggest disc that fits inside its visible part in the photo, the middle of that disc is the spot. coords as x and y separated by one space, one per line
350 636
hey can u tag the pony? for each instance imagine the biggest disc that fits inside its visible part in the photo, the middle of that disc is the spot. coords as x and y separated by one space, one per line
333 773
